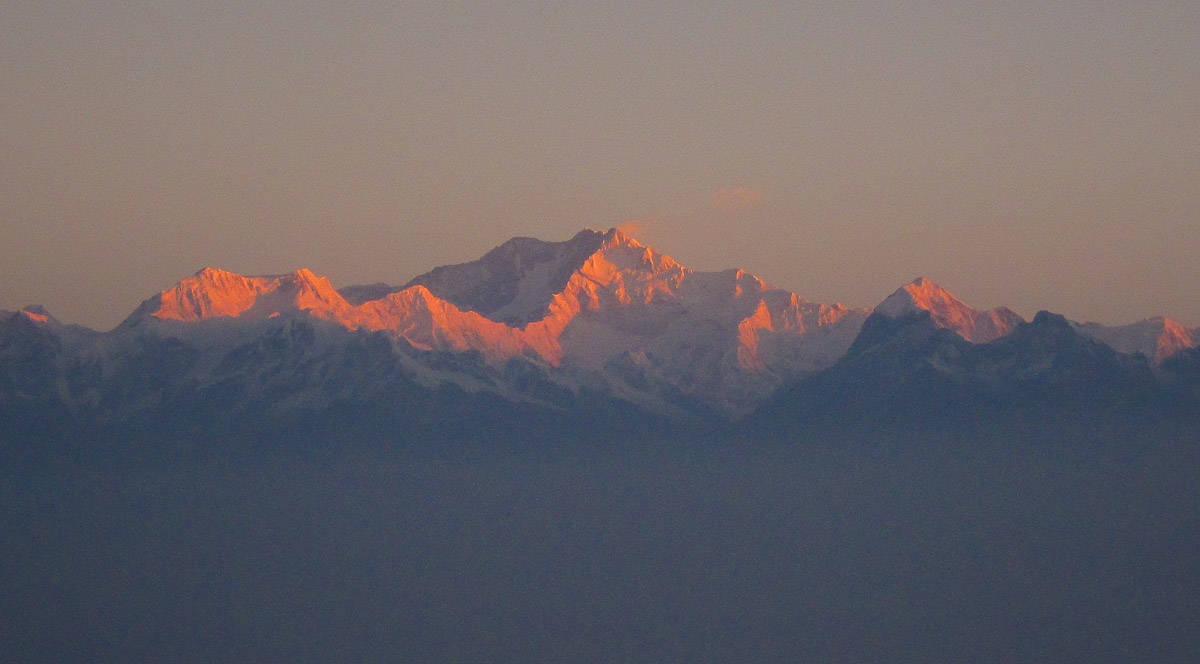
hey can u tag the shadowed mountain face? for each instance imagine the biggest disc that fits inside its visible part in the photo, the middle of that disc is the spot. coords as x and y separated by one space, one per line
908 376
515 282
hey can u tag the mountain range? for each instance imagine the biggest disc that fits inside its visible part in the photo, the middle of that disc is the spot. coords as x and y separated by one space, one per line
598 335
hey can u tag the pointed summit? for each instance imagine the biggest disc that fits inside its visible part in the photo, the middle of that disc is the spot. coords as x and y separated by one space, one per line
626 253
518 281
431 323
949 312
37 313
514 282
208 293
615 237
305 290
32 312
920 294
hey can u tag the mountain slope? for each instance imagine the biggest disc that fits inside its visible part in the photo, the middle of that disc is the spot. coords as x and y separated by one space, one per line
599 309
598 326
908 376
1157 338
515 282
949 312
919 368
604 303
211 293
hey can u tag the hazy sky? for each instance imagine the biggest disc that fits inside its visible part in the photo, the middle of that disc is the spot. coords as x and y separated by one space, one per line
1041 155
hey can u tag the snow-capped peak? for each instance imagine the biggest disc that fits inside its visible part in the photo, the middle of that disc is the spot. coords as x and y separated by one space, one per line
920 294
212 292
949 312
32 312
515 281
626 253
582 304
1157 338
36 313
208 293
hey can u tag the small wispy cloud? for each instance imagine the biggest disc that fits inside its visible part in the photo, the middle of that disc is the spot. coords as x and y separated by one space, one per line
734 199
632 228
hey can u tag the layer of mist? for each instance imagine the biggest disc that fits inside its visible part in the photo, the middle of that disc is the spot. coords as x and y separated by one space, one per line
764 552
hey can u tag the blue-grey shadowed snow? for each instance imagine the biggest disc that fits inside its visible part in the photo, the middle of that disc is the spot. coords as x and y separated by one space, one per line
766 553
